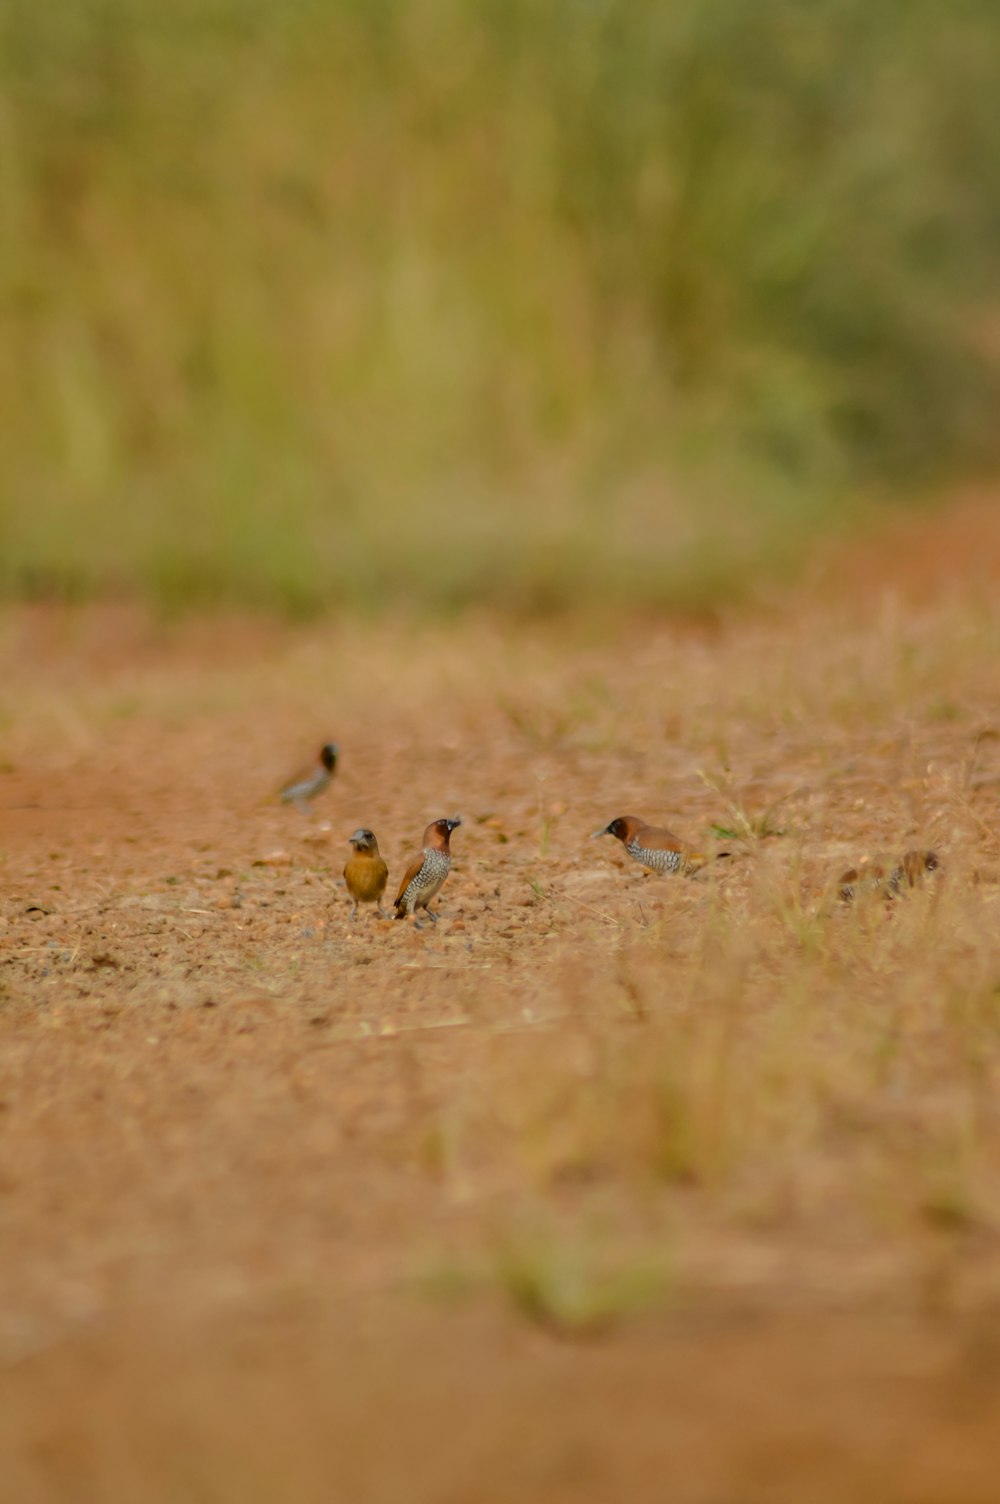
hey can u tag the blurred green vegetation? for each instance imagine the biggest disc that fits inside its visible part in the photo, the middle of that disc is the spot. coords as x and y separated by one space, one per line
305 301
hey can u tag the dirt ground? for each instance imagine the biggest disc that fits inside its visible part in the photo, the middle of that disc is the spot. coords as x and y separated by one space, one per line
291 1208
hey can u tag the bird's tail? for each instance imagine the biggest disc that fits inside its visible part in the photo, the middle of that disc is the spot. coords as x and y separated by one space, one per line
695 861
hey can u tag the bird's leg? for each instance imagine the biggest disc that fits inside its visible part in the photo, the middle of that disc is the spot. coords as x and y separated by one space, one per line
431 915
354 911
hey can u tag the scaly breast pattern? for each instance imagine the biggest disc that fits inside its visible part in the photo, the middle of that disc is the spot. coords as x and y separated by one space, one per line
658 860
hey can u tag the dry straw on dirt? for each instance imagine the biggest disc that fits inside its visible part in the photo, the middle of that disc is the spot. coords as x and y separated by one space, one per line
589 1104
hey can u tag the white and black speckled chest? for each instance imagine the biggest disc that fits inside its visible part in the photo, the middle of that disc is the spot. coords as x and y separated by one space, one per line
433 870
656 858
875 880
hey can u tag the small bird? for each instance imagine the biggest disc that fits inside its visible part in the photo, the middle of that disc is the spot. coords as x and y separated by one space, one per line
309 781
653 847
426 873
889 880
366 873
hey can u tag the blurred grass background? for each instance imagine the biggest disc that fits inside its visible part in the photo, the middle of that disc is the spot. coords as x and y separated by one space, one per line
442 300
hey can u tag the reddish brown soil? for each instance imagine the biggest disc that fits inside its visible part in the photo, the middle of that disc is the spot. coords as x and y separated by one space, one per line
230 1211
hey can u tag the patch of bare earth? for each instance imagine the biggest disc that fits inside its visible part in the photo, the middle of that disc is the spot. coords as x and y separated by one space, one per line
606 1186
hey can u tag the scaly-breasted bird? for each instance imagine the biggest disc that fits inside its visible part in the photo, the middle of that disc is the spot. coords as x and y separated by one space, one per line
366 873
889 880
652 846
311 780
426 873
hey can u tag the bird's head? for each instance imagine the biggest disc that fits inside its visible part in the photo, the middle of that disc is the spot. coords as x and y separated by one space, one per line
916 863
623 828
364 840
438 833
328 755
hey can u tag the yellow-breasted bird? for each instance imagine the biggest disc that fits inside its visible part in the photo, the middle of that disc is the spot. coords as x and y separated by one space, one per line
311 780
425 875
366 873
653 847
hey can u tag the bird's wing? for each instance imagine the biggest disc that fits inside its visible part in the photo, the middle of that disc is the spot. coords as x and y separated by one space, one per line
408 876
655 838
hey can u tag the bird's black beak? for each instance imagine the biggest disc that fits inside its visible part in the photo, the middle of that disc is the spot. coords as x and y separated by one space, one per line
454 823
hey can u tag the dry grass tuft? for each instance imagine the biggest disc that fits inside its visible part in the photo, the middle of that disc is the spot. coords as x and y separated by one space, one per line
617 302
589 1103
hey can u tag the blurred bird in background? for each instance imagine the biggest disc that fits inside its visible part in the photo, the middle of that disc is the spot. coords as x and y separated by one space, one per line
888 877
302 788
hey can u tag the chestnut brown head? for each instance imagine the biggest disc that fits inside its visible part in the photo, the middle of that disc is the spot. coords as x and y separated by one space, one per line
623 828
438 832
916 863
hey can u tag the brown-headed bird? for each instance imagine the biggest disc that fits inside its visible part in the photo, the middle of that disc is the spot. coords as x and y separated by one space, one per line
916 864
311 780
652 846
888 877
425 875
366 873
